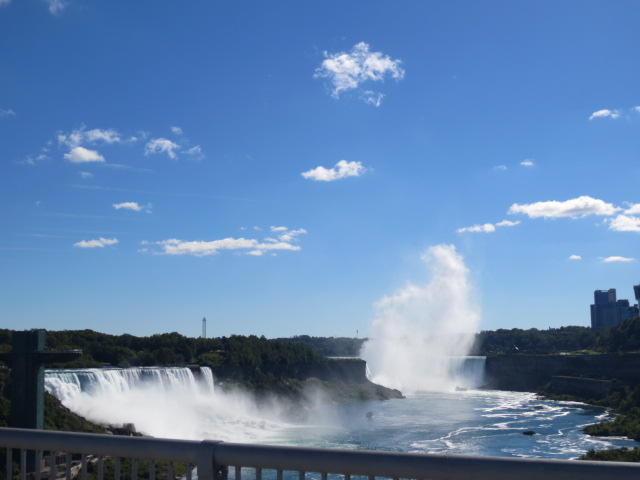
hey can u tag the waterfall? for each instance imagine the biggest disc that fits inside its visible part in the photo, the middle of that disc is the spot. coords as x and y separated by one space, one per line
70 385
161 402
469 372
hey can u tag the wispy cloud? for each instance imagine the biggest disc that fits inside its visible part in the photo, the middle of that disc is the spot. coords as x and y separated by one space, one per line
575 257
500 168
3 112
528 163
56 6
574 208
176 130
349 70
487 227
133 206
616 259
83 155
33 159
97 243
82 136
342 169
83 145
249 246
195 152
286 235
605 113
162 145
4 2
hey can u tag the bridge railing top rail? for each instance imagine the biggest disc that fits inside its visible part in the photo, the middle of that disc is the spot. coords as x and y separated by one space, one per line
212 457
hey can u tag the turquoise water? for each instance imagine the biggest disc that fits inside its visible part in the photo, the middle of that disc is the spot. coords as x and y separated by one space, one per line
488 423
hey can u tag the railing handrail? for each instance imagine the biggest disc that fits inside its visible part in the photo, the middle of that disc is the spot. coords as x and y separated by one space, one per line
211 455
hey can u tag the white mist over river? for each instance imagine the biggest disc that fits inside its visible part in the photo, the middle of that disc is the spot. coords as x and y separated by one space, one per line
421 334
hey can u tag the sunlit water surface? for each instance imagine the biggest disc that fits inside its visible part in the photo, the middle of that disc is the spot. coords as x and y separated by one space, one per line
488 423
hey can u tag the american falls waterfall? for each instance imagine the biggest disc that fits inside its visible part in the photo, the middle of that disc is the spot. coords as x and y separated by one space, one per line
161 402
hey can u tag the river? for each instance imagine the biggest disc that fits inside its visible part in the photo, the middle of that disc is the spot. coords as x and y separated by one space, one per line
172 403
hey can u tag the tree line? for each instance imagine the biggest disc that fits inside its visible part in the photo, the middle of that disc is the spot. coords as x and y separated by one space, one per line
169 349
172 349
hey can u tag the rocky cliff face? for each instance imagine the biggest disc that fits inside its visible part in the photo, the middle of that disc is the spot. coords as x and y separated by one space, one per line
530 372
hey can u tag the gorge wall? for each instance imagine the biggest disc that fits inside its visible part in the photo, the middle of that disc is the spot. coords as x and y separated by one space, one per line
585 375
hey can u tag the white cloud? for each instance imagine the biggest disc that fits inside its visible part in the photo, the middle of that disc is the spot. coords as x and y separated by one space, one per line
348 70
625 223
487 227
98 243
576 207
134 206
81 136
575 257
203 248
86 174
604 113
83 155
106 136
176 130
56 6
633 209
250 246
160 145
3 112
277 246
507 223
290 235
527 163
636 109
501 168
616 259
342 169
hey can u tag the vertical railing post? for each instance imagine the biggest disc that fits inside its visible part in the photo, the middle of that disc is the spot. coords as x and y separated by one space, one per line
208 469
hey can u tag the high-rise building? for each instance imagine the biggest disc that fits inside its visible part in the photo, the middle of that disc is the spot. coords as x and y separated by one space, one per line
606 311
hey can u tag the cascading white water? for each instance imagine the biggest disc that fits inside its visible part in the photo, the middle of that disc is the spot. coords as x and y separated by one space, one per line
162 402
72 385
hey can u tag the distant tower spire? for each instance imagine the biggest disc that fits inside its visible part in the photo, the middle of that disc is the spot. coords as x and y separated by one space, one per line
204 327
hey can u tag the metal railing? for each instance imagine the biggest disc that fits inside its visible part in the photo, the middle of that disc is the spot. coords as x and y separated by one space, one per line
213 460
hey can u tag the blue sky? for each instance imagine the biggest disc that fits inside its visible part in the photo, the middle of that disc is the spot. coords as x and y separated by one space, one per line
281 167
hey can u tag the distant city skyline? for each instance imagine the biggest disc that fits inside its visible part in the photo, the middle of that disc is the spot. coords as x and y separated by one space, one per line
285 168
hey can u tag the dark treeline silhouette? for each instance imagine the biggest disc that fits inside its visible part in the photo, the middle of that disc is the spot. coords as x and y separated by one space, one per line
329 346
173 349
252 351
624 337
